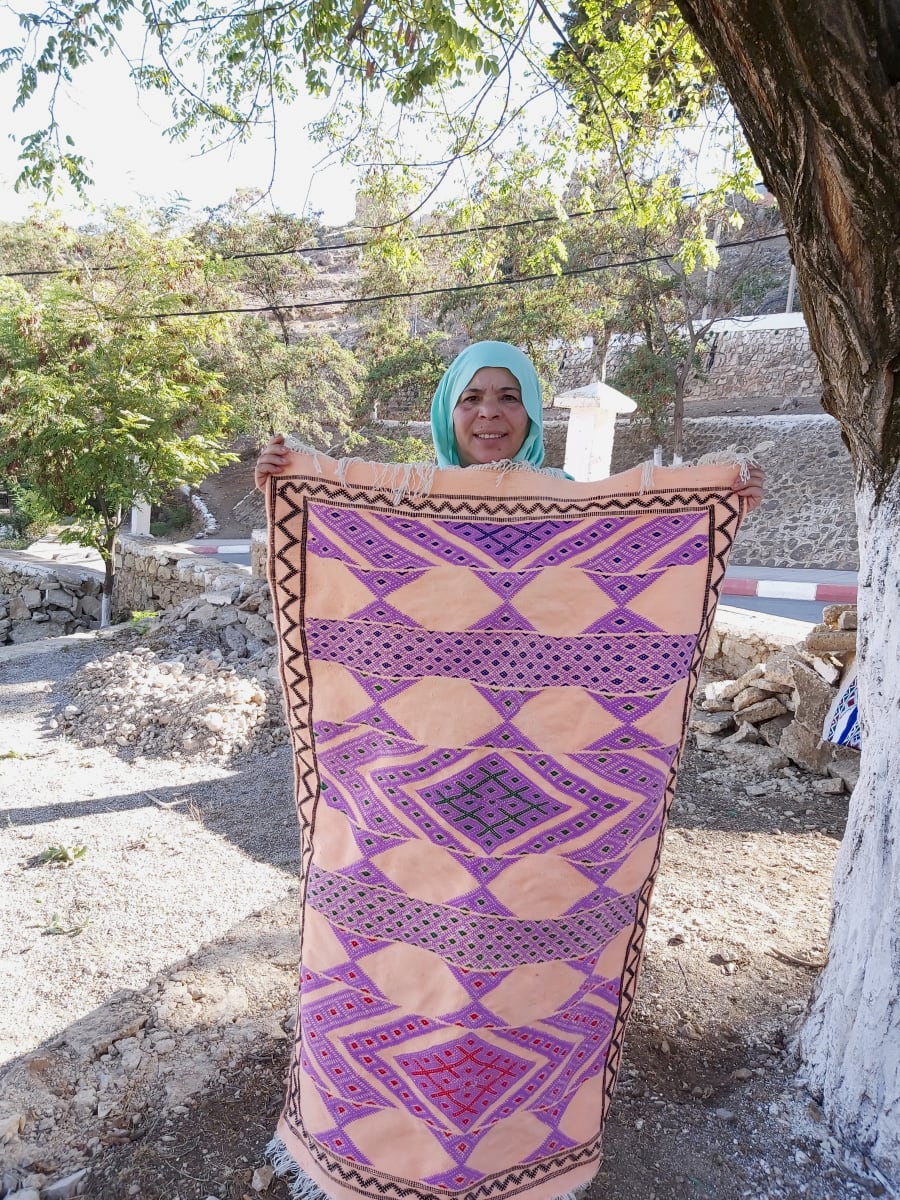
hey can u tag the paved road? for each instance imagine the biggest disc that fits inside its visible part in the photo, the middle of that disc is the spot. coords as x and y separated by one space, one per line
797 610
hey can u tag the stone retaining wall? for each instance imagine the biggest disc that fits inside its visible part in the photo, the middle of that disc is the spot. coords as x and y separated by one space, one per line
38 601
738 364
807 518
152 576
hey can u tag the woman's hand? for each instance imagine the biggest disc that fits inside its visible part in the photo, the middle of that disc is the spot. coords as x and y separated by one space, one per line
271 461
752 491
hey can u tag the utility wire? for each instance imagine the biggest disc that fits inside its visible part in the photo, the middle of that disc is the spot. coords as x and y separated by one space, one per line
462 287
240 255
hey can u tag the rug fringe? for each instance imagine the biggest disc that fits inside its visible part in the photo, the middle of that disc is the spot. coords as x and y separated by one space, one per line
744 457
286 1167
299 447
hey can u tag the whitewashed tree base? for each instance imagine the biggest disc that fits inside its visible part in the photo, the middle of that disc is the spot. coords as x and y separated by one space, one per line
850 1041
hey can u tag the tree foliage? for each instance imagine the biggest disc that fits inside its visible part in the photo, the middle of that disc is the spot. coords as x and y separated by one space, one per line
102 400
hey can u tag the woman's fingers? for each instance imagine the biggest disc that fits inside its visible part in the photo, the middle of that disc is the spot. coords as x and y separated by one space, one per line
271 461
752 490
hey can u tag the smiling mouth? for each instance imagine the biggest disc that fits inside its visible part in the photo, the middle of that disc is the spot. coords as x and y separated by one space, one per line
491 437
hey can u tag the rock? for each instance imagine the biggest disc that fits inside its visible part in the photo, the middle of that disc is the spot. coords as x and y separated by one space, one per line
85 1100
773 688
715 706
222 598
830 641
262 1177
131 1060
234 638
712 722
745 735
848 619
19 610
62 599
203 614
779 669
11 1125
764 758
771 731
832 613
27 1194
845 765
830 786
31 597
258 627
812 696
121 1017
90 606
28 631
825 667
721 689
747 696
725 1114
727 689
763 710
707 741
66 1188
805 747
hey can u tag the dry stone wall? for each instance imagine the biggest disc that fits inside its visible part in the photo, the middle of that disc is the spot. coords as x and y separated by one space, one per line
38 601
153 576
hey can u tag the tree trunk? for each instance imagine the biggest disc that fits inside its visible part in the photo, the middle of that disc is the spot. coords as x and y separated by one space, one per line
851 1039
817 89
107 553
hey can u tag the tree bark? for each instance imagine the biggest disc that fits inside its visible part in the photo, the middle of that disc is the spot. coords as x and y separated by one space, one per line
817 89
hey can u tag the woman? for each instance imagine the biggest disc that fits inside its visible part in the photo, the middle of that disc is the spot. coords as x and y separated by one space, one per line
487 409
483 820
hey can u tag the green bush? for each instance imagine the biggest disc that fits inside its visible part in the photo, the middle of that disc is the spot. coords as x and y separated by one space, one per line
29 514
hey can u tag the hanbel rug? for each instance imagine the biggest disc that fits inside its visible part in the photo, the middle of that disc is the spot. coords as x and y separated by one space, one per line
488 675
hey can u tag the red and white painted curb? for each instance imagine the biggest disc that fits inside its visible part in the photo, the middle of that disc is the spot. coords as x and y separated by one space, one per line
233 548
790 589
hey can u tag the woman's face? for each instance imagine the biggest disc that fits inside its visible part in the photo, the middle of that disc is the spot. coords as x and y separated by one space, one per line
489 421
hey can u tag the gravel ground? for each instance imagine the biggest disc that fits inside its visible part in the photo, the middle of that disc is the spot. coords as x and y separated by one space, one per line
148 951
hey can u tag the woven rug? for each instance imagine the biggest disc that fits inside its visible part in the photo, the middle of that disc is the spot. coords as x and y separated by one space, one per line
488 676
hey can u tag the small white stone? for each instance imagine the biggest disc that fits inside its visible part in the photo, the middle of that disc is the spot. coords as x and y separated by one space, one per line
11 1125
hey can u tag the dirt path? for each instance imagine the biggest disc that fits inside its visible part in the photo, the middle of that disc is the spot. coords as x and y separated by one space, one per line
147 988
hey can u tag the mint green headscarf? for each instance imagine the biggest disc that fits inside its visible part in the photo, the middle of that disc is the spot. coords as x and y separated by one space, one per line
458 376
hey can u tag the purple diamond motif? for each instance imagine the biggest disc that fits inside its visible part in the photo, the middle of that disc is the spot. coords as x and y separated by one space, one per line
491 803
464 1078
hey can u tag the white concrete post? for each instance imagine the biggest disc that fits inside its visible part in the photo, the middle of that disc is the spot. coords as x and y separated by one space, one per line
140 517
592 426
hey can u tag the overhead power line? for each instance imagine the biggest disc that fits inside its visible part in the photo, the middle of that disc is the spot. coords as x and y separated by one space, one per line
411 295
243 255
